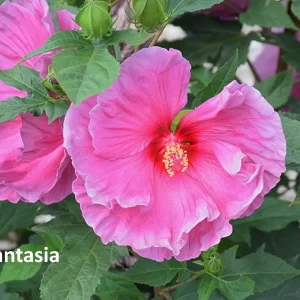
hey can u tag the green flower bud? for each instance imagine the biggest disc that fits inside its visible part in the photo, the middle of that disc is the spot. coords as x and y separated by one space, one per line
150 13
95 19
214 264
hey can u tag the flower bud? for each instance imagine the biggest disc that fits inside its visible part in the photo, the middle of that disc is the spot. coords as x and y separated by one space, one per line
150 13
95 19
214 265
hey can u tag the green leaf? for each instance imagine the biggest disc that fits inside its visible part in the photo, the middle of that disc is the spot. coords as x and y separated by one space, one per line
212 40
179 7
14 270
114 286
290 46
129 36
6 296
85 72
267 13
207 285
277 89
56 109
278 242
16 216
237 289
60 40
291 128
266 270
290 290
273 215
83 260
12 107
223 77
296 8
150 272
26 79
187 292
28 288
82 263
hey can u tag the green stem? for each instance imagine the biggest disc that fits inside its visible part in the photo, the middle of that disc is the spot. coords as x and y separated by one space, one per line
256 76
176 286
158 34
115 3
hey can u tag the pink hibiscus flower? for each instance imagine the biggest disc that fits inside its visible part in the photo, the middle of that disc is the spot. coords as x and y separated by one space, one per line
230 9
33 162
170 193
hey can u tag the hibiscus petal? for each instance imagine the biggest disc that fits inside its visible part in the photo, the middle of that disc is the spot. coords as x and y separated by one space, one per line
105 180
9 91
21 32
40 9
243 132
40 170
200 238
178 205
66 20
266 63
141 104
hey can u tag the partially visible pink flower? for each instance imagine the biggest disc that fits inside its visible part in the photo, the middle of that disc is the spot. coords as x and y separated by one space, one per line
267 62
229 9
170 193
33 162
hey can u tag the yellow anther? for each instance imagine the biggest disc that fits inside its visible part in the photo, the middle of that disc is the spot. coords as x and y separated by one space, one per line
175 159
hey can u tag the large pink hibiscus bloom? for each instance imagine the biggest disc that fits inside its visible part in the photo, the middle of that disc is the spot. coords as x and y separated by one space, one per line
33 162
170 193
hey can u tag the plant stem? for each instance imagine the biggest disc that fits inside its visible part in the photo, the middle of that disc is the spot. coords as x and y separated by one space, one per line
177 285
158 34
115 3
137 48
256 76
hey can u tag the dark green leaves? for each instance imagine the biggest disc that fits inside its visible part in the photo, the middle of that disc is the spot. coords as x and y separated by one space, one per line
212 40
290 47
73 39
85 72
114 286
237 289
277 89
13 217
37 100
130 36
15 270
242 277
179 7
296 8
291 128
83 260
267 13
153 273
25 79
273 215
223 77
60 40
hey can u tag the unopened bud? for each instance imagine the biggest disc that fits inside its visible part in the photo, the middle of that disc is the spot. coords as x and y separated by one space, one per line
150 13
95 19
